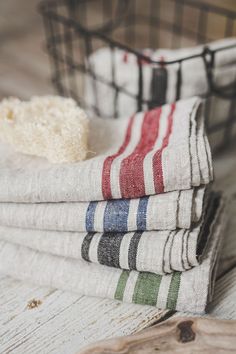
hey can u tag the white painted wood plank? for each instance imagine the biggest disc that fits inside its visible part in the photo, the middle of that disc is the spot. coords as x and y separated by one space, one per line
64 322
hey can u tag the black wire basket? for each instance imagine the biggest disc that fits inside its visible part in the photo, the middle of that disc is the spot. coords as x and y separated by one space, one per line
104 54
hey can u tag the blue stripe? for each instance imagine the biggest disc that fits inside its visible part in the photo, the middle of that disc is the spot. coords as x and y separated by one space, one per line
89 222
116 215
142 214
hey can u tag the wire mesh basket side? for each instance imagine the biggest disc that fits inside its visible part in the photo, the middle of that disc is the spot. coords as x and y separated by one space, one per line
124 27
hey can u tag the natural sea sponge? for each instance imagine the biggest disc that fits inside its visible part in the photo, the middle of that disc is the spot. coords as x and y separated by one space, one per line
50 126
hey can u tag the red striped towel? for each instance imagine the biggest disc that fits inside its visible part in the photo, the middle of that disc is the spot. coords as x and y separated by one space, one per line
152 152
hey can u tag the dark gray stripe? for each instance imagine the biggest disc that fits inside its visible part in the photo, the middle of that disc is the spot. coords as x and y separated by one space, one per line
164 251
170 250
133 248
177 209
183 242
187 256
158 87
179 82
85 246
109 249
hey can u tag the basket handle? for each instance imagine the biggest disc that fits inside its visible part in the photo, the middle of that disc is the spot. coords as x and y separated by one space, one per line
228 92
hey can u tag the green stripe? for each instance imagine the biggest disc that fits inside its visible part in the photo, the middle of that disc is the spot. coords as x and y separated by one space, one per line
121 285
173 291
146 289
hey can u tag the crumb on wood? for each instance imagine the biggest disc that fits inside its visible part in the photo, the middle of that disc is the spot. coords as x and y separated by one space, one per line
33 304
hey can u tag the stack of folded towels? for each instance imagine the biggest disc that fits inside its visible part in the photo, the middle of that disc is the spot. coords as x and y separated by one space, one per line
134 222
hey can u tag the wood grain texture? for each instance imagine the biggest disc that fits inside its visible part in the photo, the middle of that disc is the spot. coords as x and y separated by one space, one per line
62 322
66 322
180 335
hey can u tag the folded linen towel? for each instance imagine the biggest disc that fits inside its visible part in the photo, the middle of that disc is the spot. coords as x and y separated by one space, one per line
153 152
161 83
166 211
149 251
187 291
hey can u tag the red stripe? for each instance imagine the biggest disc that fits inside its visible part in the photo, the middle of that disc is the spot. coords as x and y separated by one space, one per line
131 171
106 184
125 57
157 158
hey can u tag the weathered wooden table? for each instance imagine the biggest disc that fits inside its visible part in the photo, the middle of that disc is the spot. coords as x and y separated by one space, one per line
63 322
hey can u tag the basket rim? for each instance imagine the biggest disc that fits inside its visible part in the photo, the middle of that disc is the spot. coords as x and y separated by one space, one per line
46 8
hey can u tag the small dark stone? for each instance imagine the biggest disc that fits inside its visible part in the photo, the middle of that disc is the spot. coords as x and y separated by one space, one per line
186 333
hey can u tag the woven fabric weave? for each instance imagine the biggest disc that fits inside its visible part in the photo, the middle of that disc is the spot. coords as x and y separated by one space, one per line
153 152
166 211
184 291
150 251
192 74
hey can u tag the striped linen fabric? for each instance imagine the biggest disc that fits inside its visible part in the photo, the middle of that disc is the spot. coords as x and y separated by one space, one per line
166 211
158 151
161 84
184 291
149 251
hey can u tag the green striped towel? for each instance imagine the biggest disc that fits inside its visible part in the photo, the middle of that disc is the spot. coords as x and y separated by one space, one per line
184 291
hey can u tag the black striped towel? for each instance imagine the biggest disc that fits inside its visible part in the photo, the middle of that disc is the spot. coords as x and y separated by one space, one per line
150 251
184 291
